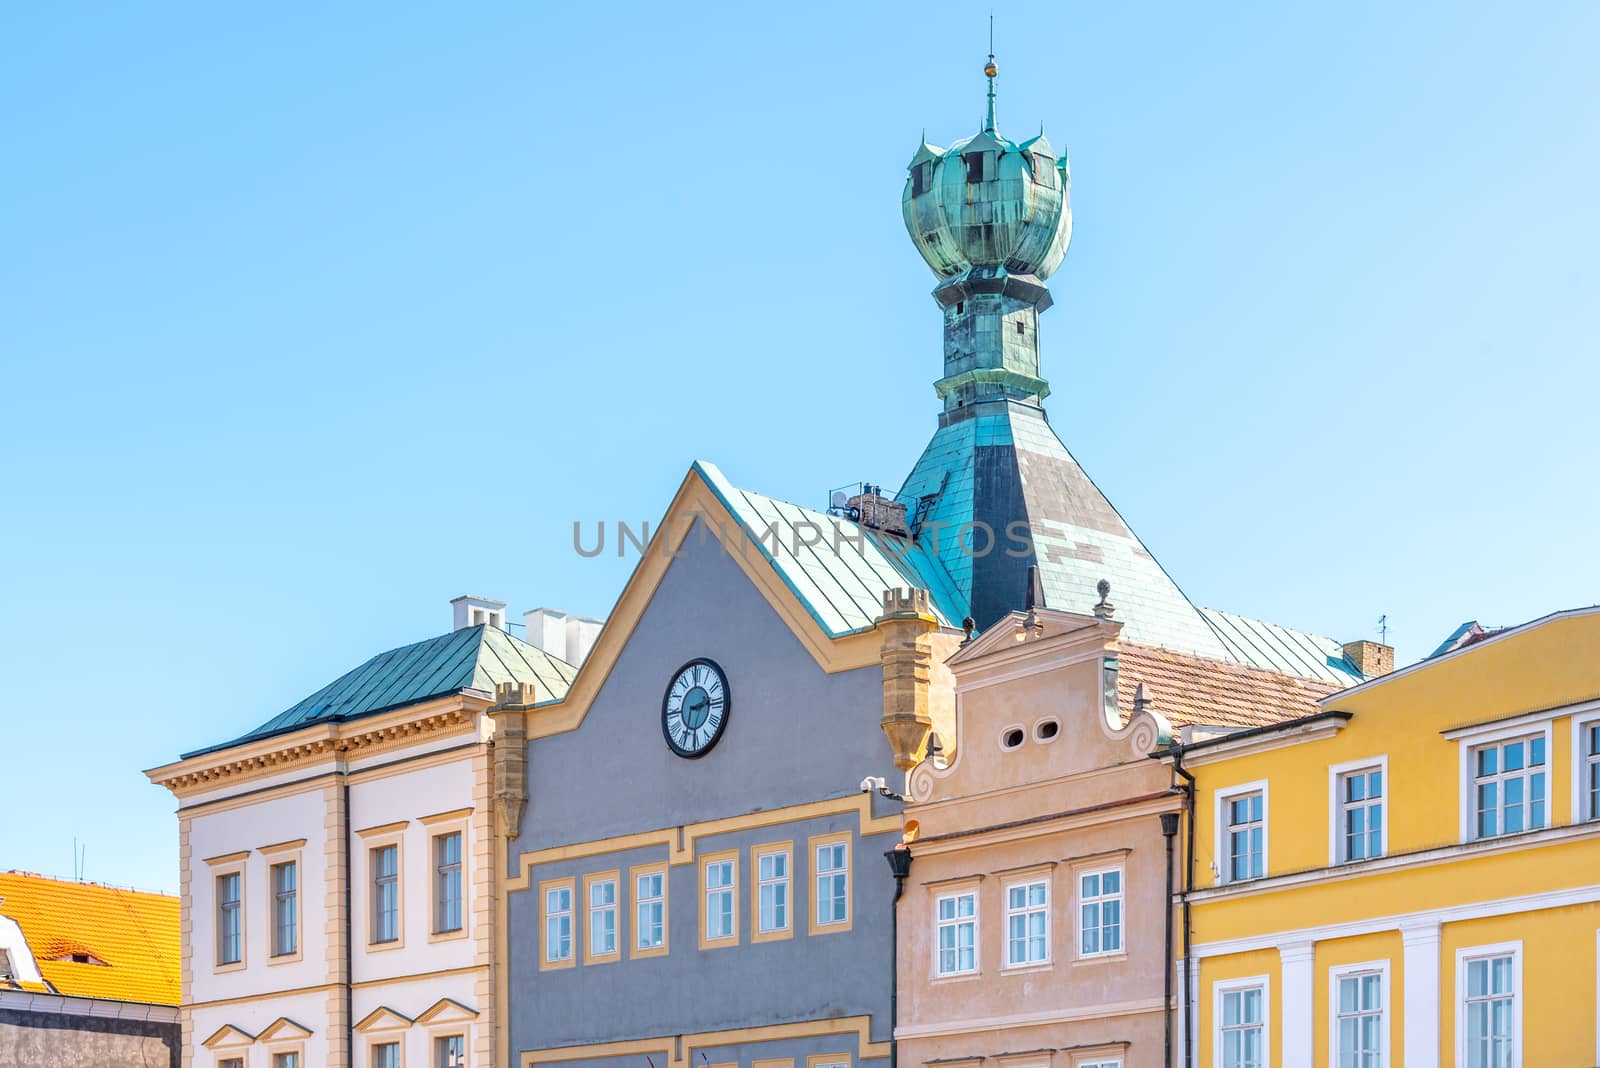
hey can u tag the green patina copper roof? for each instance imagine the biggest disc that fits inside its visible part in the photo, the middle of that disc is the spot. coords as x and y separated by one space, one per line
473 658
1275 648
840 581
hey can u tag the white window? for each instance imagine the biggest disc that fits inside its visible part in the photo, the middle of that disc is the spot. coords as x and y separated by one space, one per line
1242 832
650 898
450 1051
1241 1023
386 893
1488 992
833 883
1027 923
447 882
772 891
719 900
957 934
286 1060
1099 1064
1360 1012
1100 912
1360 806
603 918
558 924
386 1055
285 908
230 926
1589 777
1508 786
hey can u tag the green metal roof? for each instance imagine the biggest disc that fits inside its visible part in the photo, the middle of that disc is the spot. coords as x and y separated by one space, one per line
1275 648
472 658
842 580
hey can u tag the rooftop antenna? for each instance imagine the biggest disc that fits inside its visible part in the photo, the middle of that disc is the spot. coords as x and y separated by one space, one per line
989 71
1383 628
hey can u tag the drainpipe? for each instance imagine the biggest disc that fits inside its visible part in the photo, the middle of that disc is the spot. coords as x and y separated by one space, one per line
900 866
1188 885
349 948
1169 831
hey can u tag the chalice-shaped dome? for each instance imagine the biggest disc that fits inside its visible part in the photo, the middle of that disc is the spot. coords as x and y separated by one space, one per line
989 202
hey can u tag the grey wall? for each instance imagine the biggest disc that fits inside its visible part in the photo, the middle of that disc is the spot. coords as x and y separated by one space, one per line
795 734
53 1040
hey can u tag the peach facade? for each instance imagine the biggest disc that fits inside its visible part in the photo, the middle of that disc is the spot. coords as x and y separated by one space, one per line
1032 926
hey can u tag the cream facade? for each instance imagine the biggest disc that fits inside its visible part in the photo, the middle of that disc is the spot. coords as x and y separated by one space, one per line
337 894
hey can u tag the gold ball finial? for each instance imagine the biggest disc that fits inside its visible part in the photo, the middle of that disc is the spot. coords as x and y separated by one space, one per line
990 70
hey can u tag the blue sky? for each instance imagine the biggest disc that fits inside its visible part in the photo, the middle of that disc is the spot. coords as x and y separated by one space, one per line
311 320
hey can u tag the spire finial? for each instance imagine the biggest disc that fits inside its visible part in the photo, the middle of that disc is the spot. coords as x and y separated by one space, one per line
989 71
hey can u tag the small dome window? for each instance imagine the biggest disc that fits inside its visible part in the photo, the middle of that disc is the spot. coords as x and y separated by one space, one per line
1012 738
1046 730
919 178
980 165
1044 171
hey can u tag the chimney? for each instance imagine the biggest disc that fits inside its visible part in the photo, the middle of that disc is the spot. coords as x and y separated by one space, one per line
1370 658
878 512
475 611
565 637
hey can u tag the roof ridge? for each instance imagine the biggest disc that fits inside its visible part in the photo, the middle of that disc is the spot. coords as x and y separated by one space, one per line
1230 664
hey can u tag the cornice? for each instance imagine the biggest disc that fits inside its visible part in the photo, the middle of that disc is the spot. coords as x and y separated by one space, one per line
367 736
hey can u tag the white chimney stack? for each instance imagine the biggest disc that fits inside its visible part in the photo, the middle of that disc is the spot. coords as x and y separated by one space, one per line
476 611
565 637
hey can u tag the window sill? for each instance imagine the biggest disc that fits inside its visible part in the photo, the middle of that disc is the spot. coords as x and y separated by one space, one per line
1101 958
384 947
956 977
285 958
457 935
1022 969
223 969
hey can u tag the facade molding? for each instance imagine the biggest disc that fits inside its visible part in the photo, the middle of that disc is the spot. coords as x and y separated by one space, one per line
677 1051
1031 1019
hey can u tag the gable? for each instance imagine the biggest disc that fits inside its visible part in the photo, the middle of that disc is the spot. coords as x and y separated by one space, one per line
446 1010
283 1029
229 1037
383 1018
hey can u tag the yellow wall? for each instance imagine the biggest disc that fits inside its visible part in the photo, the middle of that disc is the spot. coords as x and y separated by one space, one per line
1358 950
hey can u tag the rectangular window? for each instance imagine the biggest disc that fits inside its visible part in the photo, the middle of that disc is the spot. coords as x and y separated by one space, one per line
1591 771
650 901
1508 786
1242 1028
1361 815
286 1060
1100 912
1027 923
386 1055
832 882
386 893
602 917
720 924
919 177
1489 1010
1044 172
285 908
447 883
772 891
230 942
450 1051
978 166
231 1062
558 923
1099 1064
957 934
1246 831
1358 1023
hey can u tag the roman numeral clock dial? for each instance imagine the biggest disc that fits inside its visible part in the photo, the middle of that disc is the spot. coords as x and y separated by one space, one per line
695 708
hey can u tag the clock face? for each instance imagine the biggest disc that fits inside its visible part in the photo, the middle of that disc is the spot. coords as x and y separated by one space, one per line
695 709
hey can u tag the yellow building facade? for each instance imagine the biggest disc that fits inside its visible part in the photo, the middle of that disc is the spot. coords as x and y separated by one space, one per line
1411 876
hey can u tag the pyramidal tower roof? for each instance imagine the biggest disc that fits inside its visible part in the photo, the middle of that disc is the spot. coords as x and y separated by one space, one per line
996 491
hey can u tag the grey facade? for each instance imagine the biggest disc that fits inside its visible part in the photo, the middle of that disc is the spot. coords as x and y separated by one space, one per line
58 1037
795 736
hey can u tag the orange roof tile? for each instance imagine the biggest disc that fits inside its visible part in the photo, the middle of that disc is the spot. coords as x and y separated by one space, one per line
134 933
1187 689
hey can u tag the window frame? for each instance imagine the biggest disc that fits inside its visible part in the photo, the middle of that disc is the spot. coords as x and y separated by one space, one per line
1500 777
1465 956
296 1050
1336 776
1222 987
814 924
1469 742
235 871
1337 972
1585 807
275 896
397 1041
437 833
957 921
574 928
731 858
757 884
635 873
373 846
436 1041
1078 903
1025 880
618 902
1220 800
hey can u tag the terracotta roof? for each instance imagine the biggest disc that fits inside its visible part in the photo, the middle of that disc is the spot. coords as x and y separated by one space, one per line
134 933
1187 689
